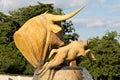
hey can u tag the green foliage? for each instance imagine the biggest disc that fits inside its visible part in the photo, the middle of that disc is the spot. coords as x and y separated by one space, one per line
107 52
11 63
7 28
7 47
69 32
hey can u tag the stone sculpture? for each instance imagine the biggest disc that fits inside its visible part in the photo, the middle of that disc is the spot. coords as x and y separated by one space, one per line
40 38
67 53
39 35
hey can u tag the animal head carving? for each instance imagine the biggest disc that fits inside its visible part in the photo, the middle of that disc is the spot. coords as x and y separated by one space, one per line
38 36
50 19
84 43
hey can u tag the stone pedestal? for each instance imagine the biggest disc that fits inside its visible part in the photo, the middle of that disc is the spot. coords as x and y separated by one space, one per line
64 73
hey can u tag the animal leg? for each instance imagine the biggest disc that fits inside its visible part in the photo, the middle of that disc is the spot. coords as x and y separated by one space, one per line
57 60
87 51
73 63
43 72
53 51
91 54
47 66
43 68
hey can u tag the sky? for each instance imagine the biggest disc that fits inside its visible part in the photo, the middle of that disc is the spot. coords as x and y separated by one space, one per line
96 19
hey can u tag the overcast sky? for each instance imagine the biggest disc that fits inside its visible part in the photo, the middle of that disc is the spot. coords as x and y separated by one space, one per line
98 17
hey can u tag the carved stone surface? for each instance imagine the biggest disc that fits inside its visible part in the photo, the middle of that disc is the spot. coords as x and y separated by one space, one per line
35 40
67 53
64 73
39 35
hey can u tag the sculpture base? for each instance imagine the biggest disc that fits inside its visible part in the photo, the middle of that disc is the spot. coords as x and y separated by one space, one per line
60 73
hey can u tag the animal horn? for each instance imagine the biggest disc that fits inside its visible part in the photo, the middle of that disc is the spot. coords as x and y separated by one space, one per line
67 16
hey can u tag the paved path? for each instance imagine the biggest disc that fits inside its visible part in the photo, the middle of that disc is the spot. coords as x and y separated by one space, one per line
9 77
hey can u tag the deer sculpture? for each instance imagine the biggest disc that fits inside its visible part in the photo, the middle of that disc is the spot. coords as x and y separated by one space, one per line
67 53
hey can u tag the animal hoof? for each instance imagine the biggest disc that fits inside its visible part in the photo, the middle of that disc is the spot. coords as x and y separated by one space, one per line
94 59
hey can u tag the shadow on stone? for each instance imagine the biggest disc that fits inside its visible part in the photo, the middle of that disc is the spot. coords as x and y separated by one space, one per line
10 79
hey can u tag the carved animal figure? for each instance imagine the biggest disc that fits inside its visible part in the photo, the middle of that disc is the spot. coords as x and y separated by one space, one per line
67 53
39 35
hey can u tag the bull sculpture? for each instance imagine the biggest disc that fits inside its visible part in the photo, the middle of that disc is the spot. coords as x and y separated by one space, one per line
39 35
66 53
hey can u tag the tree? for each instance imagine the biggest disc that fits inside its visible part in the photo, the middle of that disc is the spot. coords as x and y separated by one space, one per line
7 47
107 52
69 32
7 28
